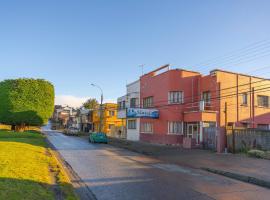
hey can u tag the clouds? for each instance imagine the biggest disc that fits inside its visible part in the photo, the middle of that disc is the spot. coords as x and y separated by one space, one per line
70 100
74 101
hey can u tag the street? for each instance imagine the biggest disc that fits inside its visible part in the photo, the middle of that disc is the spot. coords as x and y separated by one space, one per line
113 173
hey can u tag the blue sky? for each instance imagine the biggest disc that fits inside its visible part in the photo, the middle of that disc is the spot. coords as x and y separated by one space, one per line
74 43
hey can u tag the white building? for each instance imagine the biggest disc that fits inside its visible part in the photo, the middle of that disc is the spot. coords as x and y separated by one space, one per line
130 100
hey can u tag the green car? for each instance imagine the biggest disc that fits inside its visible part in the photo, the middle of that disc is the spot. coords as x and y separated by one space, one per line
98 138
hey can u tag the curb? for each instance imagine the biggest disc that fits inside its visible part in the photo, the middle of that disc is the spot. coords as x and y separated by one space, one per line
81 189
239 177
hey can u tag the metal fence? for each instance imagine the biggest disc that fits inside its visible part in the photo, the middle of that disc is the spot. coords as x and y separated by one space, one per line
210 138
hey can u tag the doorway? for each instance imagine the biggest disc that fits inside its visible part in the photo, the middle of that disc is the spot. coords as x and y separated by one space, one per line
193 132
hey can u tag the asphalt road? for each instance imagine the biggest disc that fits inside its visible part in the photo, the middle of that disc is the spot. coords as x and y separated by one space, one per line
117 174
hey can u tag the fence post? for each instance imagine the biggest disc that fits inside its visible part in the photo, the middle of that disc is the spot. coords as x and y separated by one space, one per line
233 140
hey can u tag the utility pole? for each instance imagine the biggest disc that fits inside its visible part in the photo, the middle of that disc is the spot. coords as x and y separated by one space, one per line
225 112
100 108
253 108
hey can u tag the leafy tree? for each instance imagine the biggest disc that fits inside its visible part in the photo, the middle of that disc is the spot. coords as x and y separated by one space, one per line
91 104
26 102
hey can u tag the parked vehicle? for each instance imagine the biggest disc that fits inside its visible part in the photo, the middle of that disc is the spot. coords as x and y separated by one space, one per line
72 130
98 138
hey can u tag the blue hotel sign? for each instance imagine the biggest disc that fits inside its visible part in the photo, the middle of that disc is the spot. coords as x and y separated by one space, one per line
142 113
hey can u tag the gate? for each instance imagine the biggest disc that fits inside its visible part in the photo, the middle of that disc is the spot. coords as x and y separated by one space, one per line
210 138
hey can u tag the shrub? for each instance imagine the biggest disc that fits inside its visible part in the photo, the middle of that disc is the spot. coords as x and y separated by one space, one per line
26 102
267 155
256 153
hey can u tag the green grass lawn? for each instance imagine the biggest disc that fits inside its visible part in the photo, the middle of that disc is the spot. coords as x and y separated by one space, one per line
28 170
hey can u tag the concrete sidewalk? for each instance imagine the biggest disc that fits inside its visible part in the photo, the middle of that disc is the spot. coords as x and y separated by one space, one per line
235 166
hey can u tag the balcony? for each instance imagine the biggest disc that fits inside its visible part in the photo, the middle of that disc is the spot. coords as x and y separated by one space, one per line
200 112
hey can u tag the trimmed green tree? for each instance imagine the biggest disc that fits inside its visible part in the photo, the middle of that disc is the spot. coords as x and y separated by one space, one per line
26 102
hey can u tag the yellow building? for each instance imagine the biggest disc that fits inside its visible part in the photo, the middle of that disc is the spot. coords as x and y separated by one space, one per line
110 123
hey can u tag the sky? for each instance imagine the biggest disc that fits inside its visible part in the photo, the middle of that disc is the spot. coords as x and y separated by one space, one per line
75 43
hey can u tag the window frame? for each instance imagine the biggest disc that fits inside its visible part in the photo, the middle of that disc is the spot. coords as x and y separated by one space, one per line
151 126
175 125
133 103
148 102
244 98
134 123
263 101
175 97
110 113
208 100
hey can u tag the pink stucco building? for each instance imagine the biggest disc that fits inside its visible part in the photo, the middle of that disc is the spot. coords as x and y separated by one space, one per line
189 102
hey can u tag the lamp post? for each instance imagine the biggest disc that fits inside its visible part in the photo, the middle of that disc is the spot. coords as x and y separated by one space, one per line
100 107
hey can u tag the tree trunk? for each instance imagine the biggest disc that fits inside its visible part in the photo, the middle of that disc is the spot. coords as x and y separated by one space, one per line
13 127
20 128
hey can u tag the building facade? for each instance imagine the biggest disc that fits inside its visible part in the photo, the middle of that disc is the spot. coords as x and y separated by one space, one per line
109 121
187 102
130 101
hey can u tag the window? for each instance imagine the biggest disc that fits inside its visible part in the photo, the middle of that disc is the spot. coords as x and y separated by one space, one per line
147 127
133 102
148 102
245 98
111 126
131 124
111 113
175 127
263 101
206 96
121 105
176 97
263 126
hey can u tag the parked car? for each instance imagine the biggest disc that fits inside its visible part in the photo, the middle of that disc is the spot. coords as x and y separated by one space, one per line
98 138
72 130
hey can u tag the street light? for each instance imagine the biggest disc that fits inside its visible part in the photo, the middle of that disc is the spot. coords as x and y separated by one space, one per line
101 105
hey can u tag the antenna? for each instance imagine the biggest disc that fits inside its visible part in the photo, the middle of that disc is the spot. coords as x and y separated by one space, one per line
142 66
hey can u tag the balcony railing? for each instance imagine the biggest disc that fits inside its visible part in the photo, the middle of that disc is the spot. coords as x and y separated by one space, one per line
199 107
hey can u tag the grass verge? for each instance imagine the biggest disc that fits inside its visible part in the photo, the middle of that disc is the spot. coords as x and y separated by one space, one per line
29 171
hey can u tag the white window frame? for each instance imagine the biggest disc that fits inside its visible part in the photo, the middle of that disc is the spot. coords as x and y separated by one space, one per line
175 97
175 127
244 98
151 127
135 124
208 100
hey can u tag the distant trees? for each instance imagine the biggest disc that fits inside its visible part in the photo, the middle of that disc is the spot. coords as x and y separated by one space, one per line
91 104
26 102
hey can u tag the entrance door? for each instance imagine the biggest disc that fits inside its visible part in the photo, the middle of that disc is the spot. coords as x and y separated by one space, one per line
193 132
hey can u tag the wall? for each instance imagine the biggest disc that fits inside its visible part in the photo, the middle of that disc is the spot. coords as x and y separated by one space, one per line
134 134
161 138
158 86
237 112
107 120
